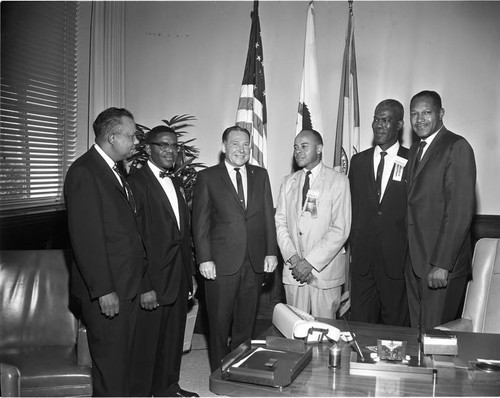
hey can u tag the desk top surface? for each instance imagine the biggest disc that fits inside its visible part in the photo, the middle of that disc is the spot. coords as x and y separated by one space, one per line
317 379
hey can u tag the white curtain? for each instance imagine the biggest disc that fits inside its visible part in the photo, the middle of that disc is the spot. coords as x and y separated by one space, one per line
107 59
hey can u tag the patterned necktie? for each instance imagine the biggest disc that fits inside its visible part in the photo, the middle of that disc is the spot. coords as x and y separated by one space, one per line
380 171
126 187
305 188
239 183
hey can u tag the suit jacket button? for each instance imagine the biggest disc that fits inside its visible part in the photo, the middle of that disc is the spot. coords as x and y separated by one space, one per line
379 213
300 233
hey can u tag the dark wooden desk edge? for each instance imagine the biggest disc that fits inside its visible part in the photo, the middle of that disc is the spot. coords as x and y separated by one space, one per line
468 342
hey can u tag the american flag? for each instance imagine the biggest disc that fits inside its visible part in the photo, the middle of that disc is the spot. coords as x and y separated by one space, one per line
252 113
347 137
309 112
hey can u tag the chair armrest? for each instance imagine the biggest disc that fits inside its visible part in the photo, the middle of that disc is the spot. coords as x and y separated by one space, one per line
82 347
459 325
10 380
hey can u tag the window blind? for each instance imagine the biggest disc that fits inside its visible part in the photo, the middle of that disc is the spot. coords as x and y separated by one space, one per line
38 101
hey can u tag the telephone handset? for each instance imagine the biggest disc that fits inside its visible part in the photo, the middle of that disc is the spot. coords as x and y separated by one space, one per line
314 332
294 323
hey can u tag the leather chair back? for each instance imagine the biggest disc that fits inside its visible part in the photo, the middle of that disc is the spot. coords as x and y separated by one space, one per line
34 299
482 300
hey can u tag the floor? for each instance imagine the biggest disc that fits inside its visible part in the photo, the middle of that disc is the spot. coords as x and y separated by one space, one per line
195 367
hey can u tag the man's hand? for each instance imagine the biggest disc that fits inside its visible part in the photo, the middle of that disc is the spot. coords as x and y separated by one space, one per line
302 271
270 263
207 269
110 304
149 301
437 277
195 289
294 260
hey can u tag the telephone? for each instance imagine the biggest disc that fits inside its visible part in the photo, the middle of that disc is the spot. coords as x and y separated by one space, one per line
296 324
314 332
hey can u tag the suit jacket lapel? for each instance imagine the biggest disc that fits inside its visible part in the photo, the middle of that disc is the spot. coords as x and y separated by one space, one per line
158 192
319 182
391 182
183 213
107 172
430 151
317 185
250 184
371 171
229 184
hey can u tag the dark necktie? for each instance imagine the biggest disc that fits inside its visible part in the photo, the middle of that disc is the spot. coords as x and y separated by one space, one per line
305 188
420 150
380 171
239 184
126 187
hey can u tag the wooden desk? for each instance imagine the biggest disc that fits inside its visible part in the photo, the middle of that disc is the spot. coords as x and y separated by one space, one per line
317 379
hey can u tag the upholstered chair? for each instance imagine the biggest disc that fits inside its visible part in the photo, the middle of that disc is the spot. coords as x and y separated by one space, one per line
481 311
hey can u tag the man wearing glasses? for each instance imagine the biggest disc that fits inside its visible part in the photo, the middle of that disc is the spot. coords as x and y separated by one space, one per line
163 218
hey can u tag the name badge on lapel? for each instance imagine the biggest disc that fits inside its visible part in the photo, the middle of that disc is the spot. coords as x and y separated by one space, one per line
399 164
312 203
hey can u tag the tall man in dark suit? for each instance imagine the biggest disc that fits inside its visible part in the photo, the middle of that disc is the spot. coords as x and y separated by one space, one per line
378 235
108 249
165 227
235 241
441 198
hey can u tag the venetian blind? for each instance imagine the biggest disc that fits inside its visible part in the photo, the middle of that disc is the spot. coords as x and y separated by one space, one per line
38 111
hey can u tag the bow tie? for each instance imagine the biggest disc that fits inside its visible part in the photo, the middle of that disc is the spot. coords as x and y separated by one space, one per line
169 174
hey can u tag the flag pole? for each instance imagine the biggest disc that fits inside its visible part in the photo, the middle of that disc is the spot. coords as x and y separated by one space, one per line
252 110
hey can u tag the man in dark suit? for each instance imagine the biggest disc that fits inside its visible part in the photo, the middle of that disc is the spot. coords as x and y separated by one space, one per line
378 235
235 241
441 199
108 249
165 227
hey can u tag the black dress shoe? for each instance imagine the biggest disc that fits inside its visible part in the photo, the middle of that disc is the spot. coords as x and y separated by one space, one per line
184 393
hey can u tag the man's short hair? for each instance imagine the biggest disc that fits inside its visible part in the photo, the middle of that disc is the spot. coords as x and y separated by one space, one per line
435 97
316 135
153 134
226 132
108 120
396 106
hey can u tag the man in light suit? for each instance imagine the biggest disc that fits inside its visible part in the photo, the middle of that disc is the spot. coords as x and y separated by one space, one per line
378 234
441 198
108 249
164 222
235 241
313 219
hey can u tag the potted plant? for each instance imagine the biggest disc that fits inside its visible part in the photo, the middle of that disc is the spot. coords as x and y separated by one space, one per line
185 165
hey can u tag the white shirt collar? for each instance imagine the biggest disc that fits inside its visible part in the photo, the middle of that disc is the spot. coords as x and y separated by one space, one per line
230 168
430 138
155 169
111 163
314 171
391 151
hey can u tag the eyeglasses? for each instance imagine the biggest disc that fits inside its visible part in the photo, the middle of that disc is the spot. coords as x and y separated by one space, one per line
165 146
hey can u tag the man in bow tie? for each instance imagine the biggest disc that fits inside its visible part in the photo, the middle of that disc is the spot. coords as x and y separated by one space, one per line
164 223
235 241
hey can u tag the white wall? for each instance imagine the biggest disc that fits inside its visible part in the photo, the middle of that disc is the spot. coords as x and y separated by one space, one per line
189 57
